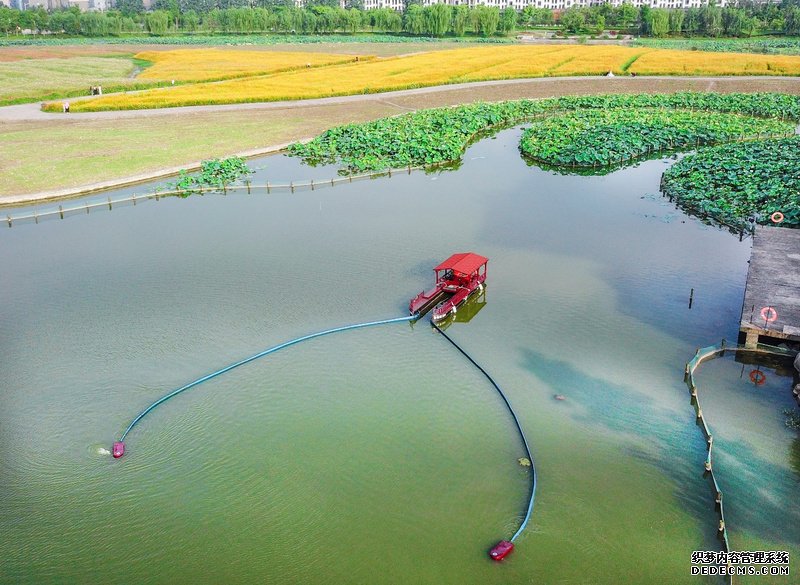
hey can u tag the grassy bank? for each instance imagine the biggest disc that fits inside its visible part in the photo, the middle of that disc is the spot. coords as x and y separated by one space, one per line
27 80
88 150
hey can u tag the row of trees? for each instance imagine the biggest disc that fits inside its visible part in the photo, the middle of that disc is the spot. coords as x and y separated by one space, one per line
710 20
326 16
437 20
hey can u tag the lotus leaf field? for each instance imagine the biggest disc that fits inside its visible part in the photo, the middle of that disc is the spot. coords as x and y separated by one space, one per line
595 131
218 39
440 135
735 181
593 138
774 46
218 64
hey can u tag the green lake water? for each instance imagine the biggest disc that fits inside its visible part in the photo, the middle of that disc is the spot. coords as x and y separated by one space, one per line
380 456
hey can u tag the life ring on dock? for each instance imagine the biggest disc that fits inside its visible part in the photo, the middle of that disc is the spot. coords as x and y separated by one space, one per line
769 314
776 217
757 377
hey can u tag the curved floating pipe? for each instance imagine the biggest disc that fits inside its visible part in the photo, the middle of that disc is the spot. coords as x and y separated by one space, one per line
119 446
504 547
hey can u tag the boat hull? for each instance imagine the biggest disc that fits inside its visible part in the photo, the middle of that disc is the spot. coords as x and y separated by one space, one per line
450 306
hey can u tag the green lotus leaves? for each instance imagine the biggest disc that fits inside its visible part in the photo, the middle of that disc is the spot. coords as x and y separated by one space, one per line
599 138
586 133
737 181
429 137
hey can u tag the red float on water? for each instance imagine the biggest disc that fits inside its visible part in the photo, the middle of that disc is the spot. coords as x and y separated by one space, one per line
118 450
501 550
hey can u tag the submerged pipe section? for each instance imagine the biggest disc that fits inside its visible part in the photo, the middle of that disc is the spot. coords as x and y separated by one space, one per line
504 547
119 446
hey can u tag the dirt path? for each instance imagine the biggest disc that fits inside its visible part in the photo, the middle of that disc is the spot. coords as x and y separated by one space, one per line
538 87
101 150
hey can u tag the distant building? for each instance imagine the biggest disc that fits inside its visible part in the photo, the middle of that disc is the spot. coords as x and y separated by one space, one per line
46 4
393 4
551 4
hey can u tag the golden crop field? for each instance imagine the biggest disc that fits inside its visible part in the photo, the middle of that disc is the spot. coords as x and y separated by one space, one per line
599 60
671 62
210 64
439 68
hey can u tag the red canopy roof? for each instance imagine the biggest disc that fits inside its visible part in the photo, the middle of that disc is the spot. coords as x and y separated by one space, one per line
465 263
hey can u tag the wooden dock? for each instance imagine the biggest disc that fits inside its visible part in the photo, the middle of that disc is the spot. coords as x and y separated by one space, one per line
771 309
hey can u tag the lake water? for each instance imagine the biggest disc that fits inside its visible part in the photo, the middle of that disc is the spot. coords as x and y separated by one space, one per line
380 456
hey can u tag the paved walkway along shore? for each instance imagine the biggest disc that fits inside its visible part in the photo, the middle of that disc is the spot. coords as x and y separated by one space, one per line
398 101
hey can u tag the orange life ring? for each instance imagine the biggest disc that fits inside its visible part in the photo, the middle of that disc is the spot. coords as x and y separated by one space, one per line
776 217
757 377
769 314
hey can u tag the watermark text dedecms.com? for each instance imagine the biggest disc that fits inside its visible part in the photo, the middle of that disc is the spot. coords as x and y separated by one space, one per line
740 563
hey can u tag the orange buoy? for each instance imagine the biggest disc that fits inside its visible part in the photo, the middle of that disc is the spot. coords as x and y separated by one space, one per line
769 314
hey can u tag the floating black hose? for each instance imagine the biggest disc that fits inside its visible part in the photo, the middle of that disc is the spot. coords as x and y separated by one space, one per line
516 421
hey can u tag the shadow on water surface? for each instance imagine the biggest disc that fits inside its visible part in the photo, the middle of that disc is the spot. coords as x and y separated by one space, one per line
670 442
676 447
769 512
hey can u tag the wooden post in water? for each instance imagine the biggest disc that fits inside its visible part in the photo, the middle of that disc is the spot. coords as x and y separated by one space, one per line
61 211
133 198
8 218
248 186
691 298
291 186
109 202
268 189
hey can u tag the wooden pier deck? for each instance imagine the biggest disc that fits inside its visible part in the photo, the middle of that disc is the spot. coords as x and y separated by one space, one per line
771 309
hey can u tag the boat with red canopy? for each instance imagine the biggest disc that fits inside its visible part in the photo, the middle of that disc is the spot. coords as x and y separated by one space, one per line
455 280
